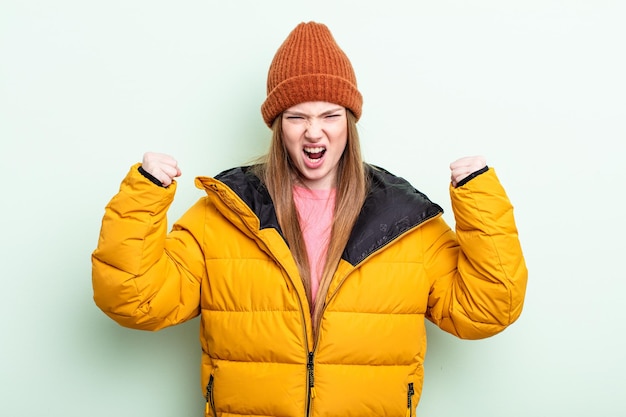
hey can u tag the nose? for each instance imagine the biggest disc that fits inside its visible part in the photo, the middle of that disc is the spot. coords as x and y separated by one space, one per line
313 129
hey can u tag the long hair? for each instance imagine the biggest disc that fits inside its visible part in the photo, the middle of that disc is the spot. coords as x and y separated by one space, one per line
279 175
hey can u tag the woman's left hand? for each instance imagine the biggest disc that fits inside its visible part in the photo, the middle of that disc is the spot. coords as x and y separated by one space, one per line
463 167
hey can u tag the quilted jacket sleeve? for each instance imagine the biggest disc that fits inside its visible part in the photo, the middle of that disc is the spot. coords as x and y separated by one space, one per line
143 277
478 275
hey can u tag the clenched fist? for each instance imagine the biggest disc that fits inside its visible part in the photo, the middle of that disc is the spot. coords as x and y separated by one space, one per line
464 167
160 166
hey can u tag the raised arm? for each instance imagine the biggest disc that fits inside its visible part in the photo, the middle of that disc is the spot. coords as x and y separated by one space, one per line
142 276
478 274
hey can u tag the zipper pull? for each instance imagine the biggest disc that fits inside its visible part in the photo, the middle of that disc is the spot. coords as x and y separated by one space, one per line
209 397
209 388
310 368
411 391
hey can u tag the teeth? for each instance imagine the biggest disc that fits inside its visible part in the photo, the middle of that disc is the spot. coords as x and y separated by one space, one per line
313 150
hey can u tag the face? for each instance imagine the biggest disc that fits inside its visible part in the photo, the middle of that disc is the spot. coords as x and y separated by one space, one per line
315 134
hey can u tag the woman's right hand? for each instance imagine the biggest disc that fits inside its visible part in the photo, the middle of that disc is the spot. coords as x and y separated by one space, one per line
161 166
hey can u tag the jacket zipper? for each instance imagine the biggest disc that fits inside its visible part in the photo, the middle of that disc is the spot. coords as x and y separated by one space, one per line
210 402
311 382
411 391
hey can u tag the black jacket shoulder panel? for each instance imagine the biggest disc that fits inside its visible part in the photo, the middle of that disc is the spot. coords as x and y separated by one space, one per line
253 192
392 207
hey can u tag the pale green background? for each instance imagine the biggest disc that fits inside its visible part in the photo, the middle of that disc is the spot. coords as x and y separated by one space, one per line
86 87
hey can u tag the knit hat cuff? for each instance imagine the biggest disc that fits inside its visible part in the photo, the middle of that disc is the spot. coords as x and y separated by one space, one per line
311 87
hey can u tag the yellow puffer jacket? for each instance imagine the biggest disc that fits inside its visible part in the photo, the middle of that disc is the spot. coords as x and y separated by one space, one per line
226 260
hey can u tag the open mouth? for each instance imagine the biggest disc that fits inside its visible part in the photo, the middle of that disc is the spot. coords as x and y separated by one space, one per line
314 153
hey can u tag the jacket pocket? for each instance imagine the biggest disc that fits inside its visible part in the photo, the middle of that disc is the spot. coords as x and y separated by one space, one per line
209 409
409 400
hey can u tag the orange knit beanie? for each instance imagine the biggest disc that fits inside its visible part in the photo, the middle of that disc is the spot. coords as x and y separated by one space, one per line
310 66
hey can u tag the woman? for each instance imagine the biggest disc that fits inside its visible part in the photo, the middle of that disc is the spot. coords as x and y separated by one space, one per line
312 271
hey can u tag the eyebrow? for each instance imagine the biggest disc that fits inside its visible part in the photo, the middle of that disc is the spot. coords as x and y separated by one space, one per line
324 113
